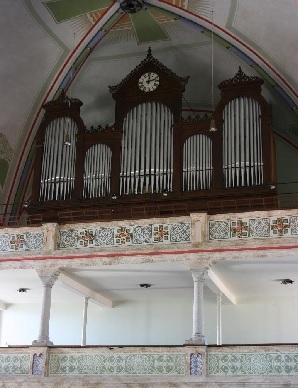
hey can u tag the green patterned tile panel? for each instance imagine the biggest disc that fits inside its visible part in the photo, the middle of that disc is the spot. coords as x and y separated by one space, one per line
254 364
14 364
117 364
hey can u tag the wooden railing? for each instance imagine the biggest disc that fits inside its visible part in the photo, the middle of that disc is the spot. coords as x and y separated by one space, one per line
284 201
148 211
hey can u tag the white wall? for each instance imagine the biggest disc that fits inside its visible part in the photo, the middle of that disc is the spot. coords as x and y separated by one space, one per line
154 322
0 325
267 320
130 322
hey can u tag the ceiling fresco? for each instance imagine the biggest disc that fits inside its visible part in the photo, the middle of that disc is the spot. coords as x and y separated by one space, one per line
82 47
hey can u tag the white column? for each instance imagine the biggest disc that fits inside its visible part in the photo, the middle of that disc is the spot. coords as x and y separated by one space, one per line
218 331
198 336
43 338
83 342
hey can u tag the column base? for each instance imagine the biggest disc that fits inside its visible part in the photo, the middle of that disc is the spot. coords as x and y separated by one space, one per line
197 340
42 342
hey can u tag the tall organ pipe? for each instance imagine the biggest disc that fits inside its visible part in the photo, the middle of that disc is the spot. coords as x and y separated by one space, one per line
147 149
157 147
58 164
197 163
242 143
97 171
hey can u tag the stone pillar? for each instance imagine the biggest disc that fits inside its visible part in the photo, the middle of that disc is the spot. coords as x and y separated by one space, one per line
43 338
218 331
198 336
86 299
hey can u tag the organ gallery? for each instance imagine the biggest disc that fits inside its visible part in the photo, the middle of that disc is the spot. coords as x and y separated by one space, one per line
154 159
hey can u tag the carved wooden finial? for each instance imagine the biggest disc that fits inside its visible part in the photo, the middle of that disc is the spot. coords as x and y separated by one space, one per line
241 78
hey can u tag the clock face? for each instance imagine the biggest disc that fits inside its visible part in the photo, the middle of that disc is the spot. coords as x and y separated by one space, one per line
148 82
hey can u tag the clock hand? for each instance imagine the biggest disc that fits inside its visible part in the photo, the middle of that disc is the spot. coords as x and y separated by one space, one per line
152 80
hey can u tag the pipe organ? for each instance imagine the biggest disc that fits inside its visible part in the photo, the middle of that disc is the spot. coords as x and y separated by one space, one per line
151 154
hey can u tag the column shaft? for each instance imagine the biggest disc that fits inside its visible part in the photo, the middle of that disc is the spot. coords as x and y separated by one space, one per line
83 342
43 338
218 332
198 336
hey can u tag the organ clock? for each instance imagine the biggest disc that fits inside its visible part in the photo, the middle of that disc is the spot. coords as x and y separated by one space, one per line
151 160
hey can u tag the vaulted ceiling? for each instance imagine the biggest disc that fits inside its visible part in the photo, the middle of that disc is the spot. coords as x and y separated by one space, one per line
82 47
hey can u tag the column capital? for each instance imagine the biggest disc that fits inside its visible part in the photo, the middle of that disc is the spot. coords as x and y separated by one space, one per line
48 277
48 280
199 274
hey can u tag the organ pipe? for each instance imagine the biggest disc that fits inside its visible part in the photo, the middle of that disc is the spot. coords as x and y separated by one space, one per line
197 163
242 143
97 171
58 164
147 149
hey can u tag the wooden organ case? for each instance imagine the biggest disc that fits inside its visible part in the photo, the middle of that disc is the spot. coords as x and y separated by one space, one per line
152 161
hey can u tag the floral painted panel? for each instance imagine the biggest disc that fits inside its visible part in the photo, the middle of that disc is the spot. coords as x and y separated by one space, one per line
27 241
125 235
266 227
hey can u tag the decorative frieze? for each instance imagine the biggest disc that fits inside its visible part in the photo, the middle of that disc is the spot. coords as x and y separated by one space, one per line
27 241
14 364
125 235
117 364
265 227
271 363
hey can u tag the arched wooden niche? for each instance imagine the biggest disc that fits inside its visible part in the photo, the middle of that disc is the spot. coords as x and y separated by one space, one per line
239 156
152 158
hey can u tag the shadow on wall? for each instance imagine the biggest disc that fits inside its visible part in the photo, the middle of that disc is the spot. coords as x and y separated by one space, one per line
6 153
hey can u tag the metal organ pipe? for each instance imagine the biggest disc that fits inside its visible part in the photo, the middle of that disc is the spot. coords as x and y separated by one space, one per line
197 163
155 126
142 133
58 164
147 149
153 156
242 143
97 171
